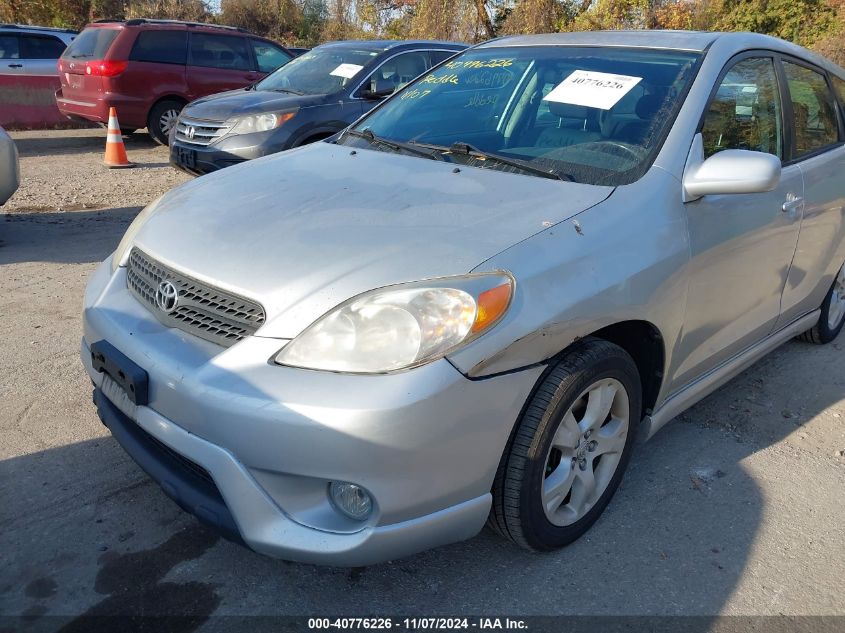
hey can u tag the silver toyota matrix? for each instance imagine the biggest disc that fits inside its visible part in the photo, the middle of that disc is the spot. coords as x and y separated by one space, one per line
466 307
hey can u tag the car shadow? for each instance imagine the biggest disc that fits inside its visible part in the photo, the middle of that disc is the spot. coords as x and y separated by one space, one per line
86 533
74 142
71 237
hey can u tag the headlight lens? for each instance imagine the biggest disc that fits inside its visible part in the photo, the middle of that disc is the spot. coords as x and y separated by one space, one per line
260 122
401 326
118 258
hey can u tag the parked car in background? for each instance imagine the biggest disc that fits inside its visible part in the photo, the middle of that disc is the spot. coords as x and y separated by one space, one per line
32 50
311 98
28 75
149 69
10 175
466 308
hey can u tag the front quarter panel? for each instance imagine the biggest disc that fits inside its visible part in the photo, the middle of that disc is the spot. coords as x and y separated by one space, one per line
625 260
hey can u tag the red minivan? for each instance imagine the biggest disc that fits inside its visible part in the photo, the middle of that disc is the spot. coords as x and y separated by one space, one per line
149 69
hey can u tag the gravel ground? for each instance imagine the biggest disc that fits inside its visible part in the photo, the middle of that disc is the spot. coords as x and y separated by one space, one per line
735 508
61 170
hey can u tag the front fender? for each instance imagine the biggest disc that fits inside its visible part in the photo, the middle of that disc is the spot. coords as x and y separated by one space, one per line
623 259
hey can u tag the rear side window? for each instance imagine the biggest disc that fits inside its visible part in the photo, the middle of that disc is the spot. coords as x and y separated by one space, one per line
813 109
41 47
269 57
220 51
161 47
9 46
92 43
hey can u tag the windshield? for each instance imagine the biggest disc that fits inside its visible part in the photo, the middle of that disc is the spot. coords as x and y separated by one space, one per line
91 44
591 115
320 71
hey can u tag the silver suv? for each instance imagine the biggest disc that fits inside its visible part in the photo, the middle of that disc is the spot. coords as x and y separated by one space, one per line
465 308
32 50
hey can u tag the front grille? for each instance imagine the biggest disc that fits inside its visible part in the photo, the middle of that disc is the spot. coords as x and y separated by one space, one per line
202 310
197 132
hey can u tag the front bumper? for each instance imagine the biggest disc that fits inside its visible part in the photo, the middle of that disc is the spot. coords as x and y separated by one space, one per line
228 151
425 443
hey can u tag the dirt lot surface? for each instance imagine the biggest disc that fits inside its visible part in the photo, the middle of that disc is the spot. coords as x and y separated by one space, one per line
62 171
735 508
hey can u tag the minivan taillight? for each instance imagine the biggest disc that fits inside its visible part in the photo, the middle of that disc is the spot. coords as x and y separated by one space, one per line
104 68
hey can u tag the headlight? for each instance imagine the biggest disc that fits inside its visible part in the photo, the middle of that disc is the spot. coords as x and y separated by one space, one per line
260 122
118 258
401 326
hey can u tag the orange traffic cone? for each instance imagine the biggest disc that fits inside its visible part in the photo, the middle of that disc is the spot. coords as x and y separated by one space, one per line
115 151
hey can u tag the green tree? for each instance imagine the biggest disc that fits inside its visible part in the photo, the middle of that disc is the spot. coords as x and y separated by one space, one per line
800 21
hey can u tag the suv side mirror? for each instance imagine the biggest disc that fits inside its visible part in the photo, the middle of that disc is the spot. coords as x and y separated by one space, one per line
379 89
729 171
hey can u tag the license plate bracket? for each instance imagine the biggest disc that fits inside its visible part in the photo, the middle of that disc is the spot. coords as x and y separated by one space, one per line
186 157
132 378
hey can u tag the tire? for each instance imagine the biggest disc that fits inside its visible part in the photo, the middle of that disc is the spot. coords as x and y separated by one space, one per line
531 464
161 118
832 316
322 136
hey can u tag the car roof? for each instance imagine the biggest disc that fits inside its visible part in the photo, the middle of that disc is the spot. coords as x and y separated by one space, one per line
385 45
37 29
694 41
680 40
148 22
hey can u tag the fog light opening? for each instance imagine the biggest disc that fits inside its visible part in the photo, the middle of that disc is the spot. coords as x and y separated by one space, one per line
351 500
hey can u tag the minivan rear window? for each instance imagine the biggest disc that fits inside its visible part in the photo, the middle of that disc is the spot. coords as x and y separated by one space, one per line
92 43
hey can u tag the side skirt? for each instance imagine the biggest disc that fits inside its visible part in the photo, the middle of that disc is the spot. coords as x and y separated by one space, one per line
715 378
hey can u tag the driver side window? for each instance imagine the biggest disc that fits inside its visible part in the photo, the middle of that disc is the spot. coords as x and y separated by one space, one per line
395 73
745 113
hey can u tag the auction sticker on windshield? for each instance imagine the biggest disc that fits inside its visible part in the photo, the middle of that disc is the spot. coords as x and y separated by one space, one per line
346 70
592 89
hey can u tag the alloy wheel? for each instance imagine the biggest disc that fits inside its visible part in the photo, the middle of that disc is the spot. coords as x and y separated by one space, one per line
585 451
836 311
167 120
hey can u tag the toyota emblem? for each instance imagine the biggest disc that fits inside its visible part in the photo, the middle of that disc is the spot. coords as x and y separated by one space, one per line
167 297
190 131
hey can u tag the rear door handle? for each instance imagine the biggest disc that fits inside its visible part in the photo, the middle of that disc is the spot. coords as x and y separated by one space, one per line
15 65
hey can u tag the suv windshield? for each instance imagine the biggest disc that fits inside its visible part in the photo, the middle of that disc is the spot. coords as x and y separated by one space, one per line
592 115
323 70
91 44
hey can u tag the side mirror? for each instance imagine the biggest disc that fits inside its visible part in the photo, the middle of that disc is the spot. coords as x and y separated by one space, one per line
379 89
729 171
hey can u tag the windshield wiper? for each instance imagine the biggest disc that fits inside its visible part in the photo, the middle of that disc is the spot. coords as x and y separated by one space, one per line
470 150
290 90
414 148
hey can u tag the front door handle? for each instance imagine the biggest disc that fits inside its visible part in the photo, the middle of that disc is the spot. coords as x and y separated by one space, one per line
792 204
15 65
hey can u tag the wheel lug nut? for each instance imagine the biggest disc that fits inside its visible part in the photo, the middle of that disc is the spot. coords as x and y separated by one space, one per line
582 464
592 445
587 434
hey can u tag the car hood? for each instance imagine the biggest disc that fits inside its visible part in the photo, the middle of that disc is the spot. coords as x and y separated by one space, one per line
221 106
304 230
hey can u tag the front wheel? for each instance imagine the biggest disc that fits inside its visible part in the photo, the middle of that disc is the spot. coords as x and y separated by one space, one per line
161 120
570 449
832 316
